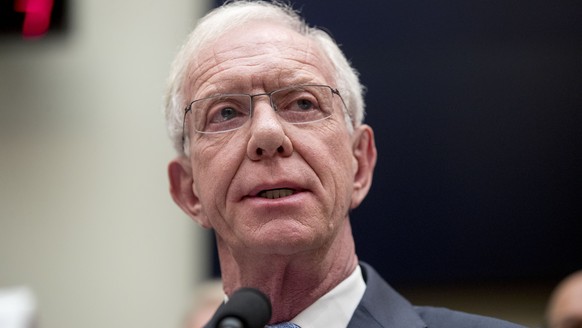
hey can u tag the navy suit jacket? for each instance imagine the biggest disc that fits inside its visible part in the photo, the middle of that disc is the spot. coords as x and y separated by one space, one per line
382 307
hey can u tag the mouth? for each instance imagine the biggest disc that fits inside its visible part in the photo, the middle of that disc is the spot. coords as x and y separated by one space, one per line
276 193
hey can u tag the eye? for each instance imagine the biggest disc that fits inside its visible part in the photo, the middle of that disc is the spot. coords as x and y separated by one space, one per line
222 113
305 104
227 113
298 101
226 109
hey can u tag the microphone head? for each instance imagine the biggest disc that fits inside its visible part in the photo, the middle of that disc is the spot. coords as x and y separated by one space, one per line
249 305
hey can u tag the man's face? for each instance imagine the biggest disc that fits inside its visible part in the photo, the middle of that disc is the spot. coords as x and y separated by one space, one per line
311 166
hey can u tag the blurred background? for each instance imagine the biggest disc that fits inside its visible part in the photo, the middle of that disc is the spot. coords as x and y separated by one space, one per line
476 199
86 220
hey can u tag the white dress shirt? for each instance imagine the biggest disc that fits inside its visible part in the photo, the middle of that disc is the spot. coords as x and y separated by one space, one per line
336 308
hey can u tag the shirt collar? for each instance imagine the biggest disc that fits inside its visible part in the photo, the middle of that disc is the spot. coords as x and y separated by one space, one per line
336 308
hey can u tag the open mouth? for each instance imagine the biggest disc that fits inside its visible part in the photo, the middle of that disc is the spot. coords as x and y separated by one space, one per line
276 193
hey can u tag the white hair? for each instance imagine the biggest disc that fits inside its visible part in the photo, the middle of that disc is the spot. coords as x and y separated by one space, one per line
237 13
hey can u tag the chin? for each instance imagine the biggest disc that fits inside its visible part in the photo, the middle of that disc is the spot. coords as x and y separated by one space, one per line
286 243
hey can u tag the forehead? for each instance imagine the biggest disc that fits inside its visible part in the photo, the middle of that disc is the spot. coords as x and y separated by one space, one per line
258 55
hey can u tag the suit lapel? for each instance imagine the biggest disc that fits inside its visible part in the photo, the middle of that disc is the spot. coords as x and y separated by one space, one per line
382 307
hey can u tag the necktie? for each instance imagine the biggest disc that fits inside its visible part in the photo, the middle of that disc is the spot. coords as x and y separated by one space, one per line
283 325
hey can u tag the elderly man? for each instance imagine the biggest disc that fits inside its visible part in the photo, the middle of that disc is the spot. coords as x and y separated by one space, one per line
266 114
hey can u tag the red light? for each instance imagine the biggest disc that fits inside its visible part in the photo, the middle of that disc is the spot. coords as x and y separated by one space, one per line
37 16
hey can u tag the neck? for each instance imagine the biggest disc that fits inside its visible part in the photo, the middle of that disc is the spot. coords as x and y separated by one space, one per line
292 282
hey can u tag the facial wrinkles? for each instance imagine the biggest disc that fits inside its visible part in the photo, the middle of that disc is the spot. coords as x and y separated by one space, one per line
208 148
227 64
339 147
298 69
243 68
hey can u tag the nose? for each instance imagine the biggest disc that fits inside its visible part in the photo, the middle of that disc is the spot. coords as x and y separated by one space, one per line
268 138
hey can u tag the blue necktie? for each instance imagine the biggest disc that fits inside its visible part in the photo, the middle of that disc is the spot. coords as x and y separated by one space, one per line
283 325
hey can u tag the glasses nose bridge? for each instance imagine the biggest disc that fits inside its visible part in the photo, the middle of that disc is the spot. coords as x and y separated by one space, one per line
252 101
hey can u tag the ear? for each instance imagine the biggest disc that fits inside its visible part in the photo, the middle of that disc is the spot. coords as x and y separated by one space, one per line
364 150
182 189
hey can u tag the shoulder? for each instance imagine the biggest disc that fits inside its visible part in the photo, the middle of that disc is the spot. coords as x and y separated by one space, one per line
382 306
440 317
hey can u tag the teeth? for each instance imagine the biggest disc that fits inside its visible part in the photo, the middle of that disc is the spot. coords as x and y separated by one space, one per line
276 193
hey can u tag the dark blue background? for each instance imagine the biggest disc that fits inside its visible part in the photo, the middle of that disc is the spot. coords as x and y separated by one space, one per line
476 107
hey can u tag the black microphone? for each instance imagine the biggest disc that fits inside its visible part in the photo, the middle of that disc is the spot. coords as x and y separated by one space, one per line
246 308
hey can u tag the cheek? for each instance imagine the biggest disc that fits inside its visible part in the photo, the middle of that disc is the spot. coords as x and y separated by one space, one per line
330 156
345 171
214 168
340 155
